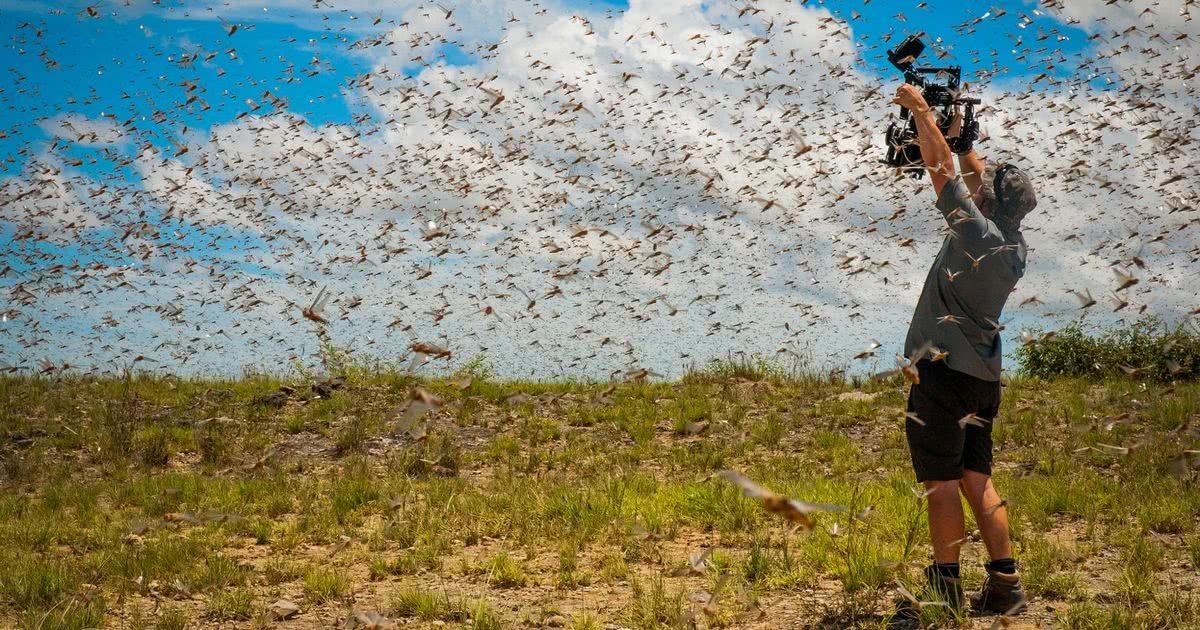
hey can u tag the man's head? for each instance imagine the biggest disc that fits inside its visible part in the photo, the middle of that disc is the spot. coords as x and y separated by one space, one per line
1014 197
1009 198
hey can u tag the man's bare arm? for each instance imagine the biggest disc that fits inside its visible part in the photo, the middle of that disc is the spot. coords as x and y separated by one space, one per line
935 152
972 167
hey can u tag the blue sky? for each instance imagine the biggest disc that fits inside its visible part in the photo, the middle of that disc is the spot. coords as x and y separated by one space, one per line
108 60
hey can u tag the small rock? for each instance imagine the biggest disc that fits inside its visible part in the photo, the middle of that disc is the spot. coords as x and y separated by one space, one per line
555 621
518 398
283 609
366 620
325 388
274 399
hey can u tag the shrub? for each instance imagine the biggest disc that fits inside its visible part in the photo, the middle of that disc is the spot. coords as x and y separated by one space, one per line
1148 345
154 445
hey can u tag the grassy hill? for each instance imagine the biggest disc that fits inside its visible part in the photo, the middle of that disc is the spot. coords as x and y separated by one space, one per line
169 503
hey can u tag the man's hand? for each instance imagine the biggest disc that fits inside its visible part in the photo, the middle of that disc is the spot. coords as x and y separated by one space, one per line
962 134
956 125
935 153
908 96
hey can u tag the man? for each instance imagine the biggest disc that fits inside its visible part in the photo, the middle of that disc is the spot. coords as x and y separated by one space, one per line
957 394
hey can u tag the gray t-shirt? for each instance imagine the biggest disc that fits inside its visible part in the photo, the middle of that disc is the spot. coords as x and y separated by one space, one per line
972 276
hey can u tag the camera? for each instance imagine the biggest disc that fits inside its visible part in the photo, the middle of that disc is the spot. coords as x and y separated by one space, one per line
941 88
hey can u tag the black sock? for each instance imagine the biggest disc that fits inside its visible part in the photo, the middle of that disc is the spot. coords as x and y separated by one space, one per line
1003 565
947 569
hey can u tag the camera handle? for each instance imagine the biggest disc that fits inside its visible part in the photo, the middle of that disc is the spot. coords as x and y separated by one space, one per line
969 132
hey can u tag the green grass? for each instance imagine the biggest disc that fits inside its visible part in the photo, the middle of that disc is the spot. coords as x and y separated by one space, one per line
425 605
654 606
597 495
430 605
171 618
231 605
503 571
322 585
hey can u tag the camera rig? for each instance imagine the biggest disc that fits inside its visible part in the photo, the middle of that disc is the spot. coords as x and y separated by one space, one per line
941 93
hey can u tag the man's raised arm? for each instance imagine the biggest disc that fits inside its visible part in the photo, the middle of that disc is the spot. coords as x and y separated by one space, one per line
935 153
972 166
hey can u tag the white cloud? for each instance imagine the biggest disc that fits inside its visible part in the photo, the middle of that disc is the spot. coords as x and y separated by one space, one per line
84 131
186 196
51 205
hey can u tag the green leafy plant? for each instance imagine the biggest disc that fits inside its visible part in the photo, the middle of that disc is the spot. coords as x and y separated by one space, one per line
1145 349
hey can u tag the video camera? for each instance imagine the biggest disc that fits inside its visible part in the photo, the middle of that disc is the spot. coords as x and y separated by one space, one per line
902 147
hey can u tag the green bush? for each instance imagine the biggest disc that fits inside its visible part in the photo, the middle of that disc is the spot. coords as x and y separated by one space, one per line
1148 345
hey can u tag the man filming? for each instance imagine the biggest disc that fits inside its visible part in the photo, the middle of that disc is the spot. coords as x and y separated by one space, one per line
952 403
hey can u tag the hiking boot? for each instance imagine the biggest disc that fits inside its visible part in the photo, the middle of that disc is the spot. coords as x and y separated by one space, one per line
906 617
942 589
946 589
1001 594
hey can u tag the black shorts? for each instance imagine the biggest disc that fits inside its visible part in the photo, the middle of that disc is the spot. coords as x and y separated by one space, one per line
942 448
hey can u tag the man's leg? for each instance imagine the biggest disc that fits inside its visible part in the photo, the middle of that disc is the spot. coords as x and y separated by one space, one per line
946 528
935 442
990 514
1001 592
945 532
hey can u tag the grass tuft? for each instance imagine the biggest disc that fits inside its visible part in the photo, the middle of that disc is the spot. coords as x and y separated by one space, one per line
323 585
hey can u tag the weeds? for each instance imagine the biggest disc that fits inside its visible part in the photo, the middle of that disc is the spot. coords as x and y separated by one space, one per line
351 436
861 564
171 618
231 605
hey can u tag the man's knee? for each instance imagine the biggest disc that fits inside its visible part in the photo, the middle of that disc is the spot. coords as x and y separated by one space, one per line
939 489
974 484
